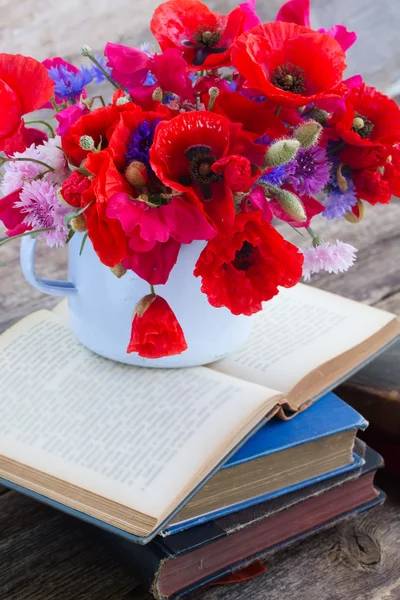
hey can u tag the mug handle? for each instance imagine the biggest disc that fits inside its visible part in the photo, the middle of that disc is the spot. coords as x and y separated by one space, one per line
54 288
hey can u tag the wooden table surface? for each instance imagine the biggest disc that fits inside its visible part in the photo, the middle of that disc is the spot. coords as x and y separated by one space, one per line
45 555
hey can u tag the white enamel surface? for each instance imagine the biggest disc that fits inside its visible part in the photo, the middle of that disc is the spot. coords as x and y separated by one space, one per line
101 308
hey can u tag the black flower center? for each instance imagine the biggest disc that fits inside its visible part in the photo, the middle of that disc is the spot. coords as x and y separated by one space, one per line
208 38
362 125
289 78
244 257
205 41
200 172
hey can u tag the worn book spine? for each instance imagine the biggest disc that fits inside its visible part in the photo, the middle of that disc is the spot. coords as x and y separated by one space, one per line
147 562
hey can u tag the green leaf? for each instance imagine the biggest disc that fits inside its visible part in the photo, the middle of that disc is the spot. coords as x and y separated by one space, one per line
83 243
68 218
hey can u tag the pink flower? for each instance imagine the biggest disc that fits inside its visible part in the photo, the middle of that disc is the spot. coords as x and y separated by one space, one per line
256 200
69 116
156 234
298 11
131 66
252 18
12 217
39 202
333 258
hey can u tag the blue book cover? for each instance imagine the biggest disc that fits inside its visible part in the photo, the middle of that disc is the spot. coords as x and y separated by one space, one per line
328 416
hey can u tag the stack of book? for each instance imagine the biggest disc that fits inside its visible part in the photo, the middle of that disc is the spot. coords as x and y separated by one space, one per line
184 471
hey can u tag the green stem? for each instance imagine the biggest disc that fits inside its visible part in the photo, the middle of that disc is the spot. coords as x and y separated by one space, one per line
39 162
52 134
152 290
278 110
32 233
106 75
316 240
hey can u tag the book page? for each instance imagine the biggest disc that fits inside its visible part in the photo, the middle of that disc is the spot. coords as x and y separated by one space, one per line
136 436
298 331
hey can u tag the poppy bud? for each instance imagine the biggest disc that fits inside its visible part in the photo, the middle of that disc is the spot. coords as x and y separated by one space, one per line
136 173
122 100
86 142
308 133
281 152
341 179
213 92
157 95
119 270
291 204
155 329
79 223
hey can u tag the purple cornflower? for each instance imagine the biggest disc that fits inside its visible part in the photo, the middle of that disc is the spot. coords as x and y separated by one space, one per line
38 199
141 141
309 171
97 75
69 85
276 176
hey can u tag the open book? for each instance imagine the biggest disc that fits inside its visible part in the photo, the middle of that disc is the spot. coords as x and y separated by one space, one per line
130 446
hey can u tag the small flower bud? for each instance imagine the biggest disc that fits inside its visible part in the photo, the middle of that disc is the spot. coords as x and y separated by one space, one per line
358 123
86 142
308 133
86 51
157 95
319 115
136 174
281 152
291 204
119 270
79 224
213 92
122 100
341 179
381 170
355 218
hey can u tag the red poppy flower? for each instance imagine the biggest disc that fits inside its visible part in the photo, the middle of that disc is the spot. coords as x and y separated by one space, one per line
73 187
98 124
378 185
24 87
184 152
370 118
205 38
256 117
155 329
243 267
291 64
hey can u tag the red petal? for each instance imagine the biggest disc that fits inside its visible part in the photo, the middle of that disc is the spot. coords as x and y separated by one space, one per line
186 223
156 332
29 80
155 265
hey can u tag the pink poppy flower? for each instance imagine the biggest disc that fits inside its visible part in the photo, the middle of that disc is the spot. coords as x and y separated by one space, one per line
298 11
69 116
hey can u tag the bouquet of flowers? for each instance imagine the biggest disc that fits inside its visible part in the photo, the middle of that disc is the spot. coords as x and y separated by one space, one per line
228 127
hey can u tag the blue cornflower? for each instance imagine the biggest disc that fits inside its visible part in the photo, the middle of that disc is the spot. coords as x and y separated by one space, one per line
141 141
69 85
276 176
338 203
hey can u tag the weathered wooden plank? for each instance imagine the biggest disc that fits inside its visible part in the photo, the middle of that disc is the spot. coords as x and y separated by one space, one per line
46 555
